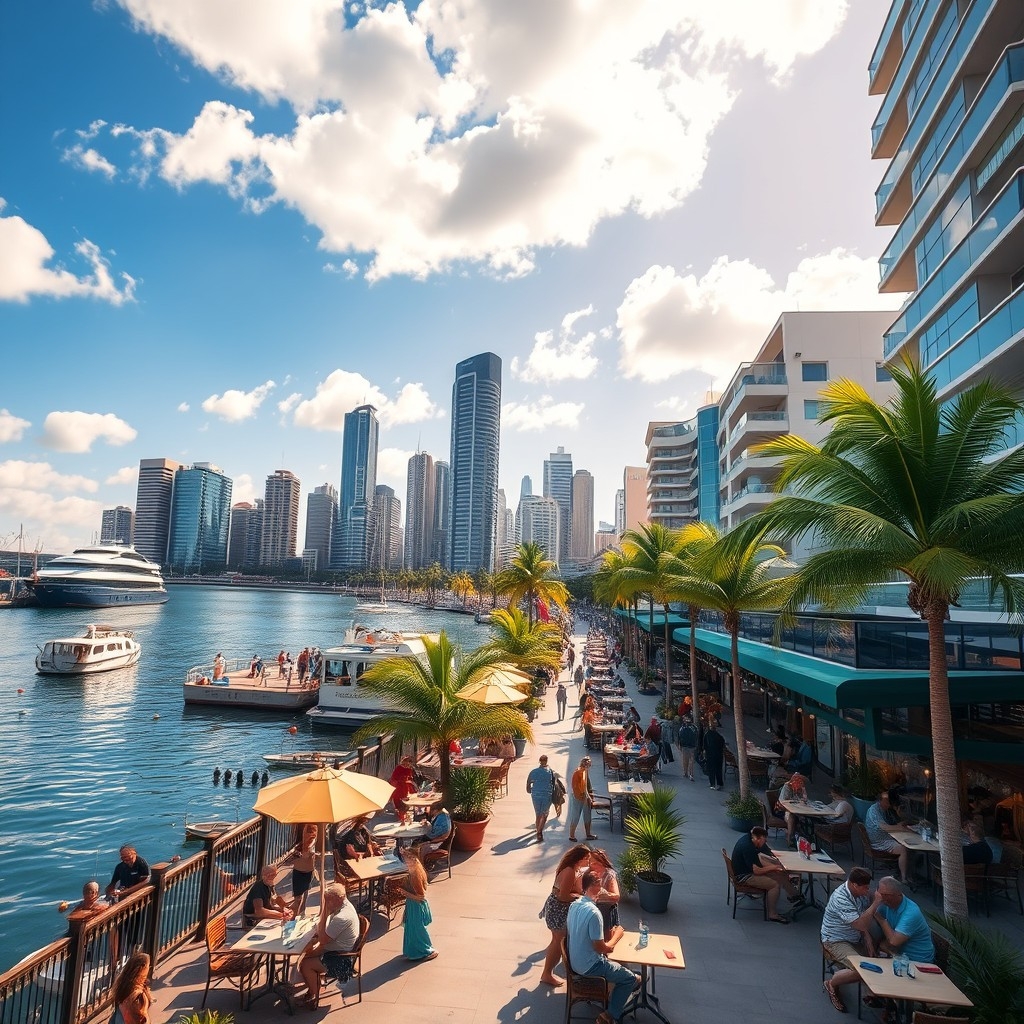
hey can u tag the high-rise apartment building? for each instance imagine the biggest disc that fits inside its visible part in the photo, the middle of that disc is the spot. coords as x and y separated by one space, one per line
620 512
950 128
280 527
116 525
153 507
634 502
442 512
386 545
681 486
538 521
476 427
358 482
419 512
558 485
503 543
605 538
581 549
321 524
244 536
197 540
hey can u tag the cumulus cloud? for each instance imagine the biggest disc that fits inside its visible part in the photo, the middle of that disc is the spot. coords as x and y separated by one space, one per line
342 391
433 134
24 271
287 404
539 415
564 358
234 406
349 268
17 475
243 489
124 476
673 406
670 323
393 468
183 407
12 427
78 431
87 159
50 523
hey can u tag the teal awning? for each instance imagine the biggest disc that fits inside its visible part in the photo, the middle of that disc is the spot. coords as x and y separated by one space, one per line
643 620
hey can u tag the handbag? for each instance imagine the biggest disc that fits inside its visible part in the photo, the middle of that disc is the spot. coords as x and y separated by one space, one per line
557 789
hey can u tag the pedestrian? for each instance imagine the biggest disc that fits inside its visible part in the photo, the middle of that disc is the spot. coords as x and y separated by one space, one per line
561 697
687 740
132 998
581 799
714 752
280 665
668 736
416 944
540 785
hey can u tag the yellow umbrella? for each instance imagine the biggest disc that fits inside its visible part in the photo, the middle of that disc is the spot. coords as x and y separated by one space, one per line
497 685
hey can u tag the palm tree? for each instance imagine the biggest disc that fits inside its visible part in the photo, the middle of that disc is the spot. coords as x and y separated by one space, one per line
608 590
526 644
530 576
462 586
425 708
916 490
732 574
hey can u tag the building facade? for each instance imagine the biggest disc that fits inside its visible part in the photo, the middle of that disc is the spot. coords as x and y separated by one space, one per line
200 516
419 512
153 507
538 522
634 490
386 546
279 532
620 512
442 512
321 524
116 525
581 548
476 430
358 483
558 485
244 536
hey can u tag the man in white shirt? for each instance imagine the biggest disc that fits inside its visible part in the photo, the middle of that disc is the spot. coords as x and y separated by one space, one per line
846 929
337 931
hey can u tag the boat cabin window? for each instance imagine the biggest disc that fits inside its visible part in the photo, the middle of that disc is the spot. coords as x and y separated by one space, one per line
338 673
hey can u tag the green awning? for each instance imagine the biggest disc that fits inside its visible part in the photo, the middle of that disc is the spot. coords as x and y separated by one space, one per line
643 620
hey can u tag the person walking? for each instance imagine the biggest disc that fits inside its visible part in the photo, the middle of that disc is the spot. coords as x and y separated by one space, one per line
540 785
581 799
668 738
687 741
560 700
714 751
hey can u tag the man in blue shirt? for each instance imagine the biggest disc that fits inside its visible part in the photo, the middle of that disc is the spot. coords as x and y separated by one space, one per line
587 947
880 814
904 928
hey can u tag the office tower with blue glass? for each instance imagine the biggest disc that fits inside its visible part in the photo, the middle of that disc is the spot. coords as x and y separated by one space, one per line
200 515
354 537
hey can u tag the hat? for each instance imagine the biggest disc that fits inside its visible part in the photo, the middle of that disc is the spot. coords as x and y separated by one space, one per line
586 759
654 718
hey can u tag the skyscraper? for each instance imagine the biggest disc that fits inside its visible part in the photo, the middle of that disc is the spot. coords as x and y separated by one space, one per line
358 482
558 485
581 549
244 536
321 523
442 512
503 543
116 525
634 486
197 539
620 512
476 427
539 521
419 512
280 528
153 507
386 546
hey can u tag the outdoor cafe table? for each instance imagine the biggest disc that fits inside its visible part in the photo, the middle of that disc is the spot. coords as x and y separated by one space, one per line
660 951
423 801
374 871
924 988
819 864
807 812
606 729
399 831
762 755
913 842
477 762
626 753
621 701
266 938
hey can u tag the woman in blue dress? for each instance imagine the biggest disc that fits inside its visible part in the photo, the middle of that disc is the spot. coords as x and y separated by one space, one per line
416 944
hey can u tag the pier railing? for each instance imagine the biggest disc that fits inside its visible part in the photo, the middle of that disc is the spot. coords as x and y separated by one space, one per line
70 981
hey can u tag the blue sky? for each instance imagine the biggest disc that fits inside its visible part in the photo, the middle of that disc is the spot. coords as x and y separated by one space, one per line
227 222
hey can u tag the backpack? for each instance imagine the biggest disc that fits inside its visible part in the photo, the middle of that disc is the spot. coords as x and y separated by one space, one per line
687 735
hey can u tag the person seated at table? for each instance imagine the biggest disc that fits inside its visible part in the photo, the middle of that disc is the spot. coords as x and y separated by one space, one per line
440 821
976 849
801 760
589 718
357 842
403 778
753 863
455 748
588 948
631 734
263 902
337 932
881 813
846 930
843 807
795 791
506 749
904 928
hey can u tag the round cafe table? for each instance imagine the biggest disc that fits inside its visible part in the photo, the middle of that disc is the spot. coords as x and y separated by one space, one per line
399 831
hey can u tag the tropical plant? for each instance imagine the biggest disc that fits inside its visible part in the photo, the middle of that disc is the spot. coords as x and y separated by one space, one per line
987 966
743 808
530 577
865 780
524 643
470 794
654 833
423 702
207 1017
462 586
920 490
608 590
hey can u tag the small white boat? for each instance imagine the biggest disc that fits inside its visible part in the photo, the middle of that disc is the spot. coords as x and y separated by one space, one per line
101 649
230 684
308 759
207 829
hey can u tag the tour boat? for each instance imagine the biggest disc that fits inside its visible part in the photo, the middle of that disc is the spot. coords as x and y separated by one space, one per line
233 685
103 576
101 649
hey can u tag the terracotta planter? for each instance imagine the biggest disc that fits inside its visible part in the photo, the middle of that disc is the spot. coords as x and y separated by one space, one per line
469 835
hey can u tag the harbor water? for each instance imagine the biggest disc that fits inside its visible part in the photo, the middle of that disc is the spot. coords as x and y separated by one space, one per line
90 763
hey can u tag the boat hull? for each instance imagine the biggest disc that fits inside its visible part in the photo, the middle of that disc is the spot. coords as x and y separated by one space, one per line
81 595
307 760
346 716
243 694
55 667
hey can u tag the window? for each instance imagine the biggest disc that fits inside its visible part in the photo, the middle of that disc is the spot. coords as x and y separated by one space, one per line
815 371
811 409
881 373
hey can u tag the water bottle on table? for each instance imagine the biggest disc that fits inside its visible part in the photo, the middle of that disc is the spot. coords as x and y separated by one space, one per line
289 932
900 965
645 936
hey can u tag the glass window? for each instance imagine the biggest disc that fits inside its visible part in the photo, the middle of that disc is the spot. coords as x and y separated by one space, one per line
815 371
881 373
810 409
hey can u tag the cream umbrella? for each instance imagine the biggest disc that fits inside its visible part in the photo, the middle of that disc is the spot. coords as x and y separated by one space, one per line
499 684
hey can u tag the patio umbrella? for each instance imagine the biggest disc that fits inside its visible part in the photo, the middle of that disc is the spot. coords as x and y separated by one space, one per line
497 685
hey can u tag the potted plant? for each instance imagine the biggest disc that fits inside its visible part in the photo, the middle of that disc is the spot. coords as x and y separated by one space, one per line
207 1017
653 837
864 781
743 812
471 796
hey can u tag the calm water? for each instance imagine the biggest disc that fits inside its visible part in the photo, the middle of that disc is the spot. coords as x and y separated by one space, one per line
85 764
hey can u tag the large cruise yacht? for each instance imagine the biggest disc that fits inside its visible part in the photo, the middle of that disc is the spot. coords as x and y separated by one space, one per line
102 576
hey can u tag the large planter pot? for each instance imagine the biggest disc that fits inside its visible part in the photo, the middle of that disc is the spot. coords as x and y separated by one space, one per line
654 895
742 824
861 806
469 835
520 744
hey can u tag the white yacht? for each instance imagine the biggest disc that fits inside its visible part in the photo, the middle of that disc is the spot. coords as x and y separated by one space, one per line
102 576
102 649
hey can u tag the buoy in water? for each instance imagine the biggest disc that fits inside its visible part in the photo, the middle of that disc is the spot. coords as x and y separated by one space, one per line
155 717
239 778
21 689
227 777
216 775
293 729
255 780
266 778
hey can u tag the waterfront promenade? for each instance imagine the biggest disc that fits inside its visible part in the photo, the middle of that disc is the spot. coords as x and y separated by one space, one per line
491 942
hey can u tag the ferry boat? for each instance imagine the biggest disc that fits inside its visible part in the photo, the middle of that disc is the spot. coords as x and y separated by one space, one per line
343 701
101 649
230 683
102 576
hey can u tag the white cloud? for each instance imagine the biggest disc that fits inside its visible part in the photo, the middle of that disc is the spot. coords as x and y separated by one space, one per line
287 404
243 489
11 427
86 158
342 391
50 524
466 130
17 475
78 431
568 358
234 406
411 405
183 407
25 253
673 406
393 468
349 268
670 323
124 476
539 415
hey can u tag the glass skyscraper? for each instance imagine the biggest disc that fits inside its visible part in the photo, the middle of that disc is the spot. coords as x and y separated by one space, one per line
476 426
558 485
200 516
351 549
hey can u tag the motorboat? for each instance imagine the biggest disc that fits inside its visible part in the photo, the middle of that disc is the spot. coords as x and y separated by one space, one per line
343 699
307 759
102 576
236 683
202 830
101 649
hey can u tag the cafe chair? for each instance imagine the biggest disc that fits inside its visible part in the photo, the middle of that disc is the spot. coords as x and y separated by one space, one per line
645 767
735 890
499 780
356 956
392 899
941 944
225 963
613 765
601 803
834 835
771 819
1003 879
730 764
579 988
759 770
883 857
829 965
974 878
441 857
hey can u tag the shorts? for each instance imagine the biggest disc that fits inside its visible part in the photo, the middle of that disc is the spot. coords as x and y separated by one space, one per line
339 966
765 882
842 952
556 913
300 883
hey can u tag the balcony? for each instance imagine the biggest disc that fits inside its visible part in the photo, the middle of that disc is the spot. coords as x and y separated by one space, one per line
748 500
757 380
884 61
755 428
748 463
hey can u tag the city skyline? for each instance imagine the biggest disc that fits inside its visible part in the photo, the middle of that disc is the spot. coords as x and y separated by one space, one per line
171 288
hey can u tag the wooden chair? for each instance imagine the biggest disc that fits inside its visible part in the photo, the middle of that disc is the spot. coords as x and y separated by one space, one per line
440 857
941 944
579 988
884 857
771 819
835 835
392 900
759 770
1003 879
645 767
499 779
613 765
737 889
225 963
356 956
829 965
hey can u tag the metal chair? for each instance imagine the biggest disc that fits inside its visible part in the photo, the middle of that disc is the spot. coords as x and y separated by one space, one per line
833 835
829 965
441 856
730 764
224 963
884 857
613 765
771 820
1003 879
602 803
579 988
737 889
356 956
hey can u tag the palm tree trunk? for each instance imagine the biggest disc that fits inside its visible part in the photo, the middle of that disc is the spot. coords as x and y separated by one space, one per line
947 791
668 663
742 768
693 672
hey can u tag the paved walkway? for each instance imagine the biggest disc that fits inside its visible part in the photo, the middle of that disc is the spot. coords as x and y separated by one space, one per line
491 941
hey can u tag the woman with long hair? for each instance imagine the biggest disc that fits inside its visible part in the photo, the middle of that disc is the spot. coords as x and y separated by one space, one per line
608 899
416 944
303 866
564 892
132 998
